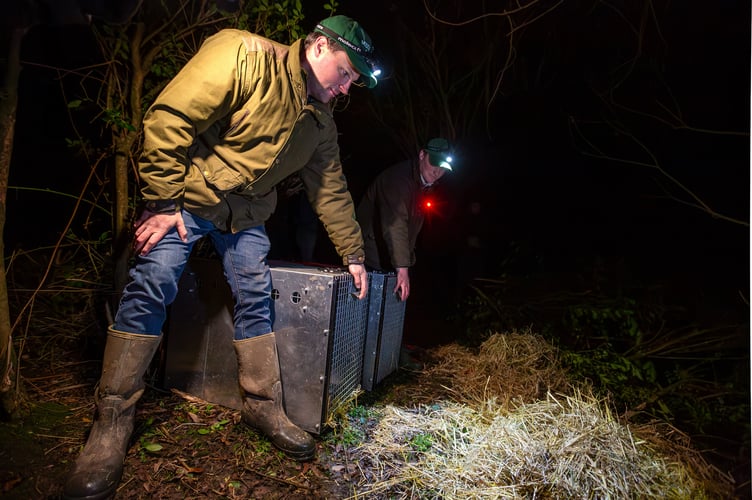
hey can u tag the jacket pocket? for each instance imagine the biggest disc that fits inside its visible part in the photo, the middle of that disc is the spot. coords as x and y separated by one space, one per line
222 179
216 173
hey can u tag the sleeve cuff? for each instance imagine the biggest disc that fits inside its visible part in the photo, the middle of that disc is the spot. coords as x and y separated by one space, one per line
162 206
354 259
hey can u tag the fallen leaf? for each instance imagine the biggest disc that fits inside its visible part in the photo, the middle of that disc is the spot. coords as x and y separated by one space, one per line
11 483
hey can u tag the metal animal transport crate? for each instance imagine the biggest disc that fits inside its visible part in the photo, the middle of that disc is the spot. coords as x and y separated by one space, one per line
320 328
386 316
199 357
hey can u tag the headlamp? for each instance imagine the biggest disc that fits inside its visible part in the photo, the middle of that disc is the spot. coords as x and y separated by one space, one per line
439 156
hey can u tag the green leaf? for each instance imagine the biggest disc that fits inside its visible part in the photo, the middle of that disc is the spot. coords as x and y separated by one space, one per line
151 447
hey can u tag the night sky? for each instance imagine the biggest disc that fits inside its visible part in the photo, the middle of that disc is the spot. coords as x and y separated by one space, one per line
543 201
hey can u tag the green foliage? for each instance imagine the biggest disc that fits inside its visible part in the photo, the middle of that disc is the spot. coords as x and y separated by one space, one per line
481 316
631 381
150 447
216 426
587 320
331 6
360 412
75 279
147 445
198 409
263 446
280 20
171 59
642 352
421 442
351 423
115 41
114 118
351 436
601 338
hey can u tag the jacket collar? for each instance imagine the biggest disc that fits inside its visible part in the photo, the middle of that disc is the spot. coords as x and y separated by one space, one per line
418 177
296 71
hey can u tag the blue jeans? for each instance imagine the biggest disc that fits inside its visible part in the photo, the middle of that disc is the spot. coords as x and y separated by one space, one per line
154 279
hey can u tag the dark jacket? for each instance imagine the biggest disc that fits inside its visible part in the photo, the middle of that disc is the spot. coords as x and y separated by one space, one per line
390 216
234 122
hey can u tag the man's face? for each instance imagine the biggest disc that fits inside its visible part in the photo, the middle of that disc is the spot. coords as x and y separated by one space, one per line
332 72
430 173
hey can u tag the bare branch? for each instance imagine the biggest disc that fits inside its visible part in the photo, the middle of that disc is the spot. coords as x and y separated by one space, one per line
696 201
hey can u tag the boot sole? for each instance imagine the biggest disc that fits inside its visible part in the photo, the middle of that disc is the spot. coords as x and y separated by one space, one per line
97 496
300 456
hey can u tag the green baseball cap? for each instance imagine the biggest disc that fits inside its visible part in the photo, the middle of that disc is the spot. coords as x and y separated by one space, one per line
356 43
439 153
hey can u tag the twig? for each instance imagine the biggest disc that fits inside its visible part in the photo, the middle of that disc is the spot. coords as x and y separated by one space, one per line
67 388
278 479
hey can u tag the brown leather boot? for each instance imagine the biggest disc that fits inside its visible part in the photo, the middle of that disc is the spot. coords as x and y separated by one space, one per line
98 469
261 390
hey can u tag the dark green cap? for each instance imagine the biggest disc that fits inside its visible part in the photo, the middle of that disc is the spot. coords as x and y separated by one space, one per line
439 153
356 43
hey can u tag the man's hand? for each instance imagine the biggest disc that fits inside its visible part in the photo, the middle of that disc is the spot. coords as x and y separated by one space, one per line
360 279
402 288
151 227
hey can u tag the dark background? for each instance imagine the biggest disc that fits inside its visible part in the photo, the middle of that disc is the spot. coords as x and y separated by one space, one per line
548 209
544 206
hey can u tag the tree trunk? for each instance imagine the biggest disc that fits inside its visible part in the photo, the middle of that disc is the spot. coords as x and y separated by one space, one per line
124 141
121 233
12 394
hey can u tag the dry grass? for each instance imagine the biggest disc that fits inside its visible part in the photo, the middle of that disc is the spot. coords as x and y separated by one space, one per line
509 426
513 368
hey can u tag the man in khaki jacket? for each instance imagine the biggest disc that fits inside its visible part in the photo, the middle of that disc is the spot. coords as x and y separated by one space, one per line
244 113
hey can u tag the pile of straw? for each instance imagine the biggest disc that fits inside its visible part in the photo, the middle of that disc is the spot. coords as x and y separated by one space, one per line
492 436
509 368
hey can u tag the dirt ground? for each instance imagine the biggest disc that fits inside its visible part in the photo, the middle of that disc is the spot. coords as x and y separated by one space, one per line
180 448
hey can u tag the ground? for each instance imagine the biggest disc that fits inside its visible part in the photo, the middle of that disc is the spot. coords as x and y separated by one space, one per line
181 447
185 448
